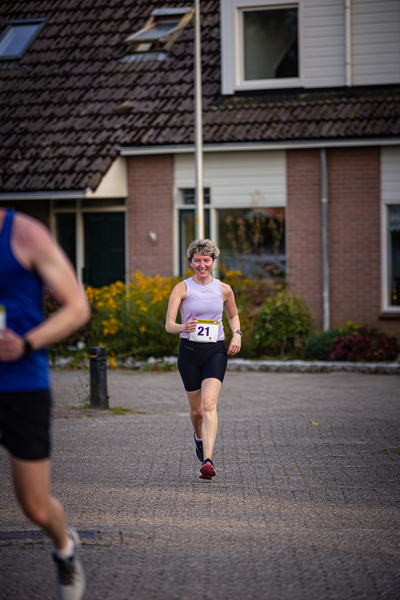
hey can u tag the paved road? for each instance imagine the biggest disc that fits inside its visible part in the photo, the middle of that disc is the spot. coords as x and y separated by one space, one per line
305 505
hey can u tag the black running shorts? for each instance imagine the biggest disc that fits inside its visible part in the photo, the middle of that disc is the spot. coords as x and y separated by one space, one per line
25 424
197 362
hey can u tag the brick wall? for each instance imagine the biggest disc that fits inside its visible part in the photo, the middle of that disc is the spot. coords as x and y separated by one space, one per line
354 234
150 208
303 228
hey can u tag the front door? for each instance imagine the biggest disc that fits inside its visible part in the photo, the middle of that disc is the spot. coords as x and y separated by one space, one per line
104 248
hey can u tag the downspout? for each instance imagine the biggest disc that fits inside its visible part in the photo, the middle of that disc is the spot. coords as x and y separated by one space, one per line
325 243
347 27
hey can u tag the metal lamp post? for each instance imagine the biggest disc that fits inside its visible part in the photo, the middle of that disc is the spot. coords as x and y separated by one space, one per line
198 129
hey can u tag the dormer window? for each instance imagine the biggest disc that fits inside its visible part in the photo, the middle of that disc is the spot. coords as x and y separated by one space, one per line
161 30
17 37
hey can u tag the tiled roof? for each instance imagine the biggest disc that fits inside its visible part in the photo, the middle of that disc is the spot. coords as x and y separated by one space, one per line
71 102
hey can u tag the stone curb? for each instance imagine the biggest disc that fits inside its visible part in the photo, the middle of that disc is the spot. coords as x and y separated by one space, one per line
303 366
271 366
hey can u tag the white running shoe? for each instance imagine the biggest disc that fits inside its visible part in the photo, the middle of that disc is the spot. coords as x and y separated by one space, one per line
71 580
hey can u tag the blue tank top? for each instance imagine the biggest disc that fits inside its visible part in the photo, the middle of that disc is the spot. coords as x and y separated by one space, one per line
21 292
203 302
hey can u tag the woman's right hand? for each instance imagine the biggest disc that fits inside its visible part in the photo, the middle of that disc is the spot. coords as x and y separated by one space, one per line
191 325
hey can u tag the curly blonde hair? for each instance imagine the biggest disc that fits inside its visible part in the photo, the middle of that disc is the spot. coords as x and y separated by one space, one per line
204 247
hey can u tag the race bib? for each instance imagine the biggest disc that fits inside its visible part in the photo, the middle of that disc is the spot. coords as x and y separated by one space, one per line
206 331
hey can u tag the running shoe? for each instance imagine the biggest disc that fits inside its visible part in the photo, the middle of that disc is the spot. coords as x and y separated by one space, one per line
199 448
71 581
207 471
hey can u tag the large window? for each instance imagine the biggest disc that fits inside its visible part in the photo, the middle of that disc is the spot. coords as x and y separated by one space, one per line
394 255
252 241
270 43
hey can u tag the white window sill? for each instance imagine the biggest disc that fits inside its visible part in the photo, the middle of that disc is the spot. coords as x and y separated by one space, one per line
269 84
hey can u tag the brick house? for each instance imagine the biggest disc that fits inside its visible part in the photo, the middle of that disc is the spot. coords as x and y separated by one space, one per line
301 110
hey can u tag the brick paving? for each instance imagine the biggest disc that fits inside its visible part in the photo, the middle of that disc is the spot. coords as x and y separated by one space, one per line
305 504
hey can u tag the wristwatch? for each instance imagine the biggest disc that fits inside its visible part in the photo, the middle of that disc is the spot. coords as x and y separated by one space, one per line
27 347
238 331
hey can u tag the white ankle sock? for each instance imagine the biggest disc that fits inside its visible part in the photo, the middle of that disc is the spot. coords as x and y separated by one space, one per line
197 439
68 551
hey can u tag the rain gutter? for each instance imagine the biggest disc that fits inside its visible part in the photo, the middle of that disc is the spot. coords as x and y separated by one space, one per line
68 195
251 146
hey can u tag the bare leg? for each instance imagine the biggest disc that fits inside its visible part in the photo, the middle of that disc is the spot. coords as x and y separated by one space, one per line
210 389
32 487
196 416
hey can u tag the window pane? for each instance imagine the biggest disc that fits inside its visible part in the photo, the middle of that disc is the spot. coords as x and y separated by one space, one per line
394 255
187 235
104 248
270 44
155 31
65 204
16 39
252 241
102 202
189 195
66 234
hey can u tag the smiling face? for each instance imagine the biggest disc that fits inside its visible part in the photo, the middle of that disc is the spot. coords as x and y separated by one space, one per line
202 266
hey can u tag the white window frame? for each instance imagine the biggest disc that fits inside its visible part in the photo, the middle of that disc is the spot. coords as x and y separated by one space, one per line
232 62
386 307
40 23
387 200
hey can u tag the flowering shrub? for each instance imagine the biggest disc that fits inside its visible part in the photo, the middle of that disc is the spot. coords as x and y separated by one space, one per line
366 344
283 324
130 320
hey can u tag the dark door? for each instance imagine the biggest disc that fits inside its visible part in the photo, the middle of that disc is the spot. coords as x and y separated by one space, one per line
104 248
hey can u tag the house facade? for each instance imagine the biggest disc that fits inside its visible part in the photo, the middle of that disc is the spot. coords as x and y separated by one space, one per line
301 133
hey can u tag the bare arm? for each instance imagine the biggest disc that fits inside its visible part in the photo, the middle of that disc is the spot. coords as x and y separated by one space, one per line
35 248
233 318
178 294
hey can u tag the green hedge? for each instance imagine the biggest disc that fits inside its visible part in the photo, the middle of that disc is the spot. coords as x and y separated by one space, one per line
283 325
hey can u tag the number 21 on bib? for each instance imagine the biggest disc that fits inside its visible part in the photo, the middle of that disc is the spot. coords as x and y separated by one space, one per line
206 331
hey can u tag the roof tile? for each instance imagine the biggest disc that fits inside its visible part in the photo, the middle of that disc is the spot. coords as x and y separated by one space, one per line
70 102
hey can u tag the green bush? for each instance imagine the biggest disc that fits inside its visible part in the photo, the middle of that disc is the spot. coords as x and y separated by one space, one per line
250 293
319 344
283 325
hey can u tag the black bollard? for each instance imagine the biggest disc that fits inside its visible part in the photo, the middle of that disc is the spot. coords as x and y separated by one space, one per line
98 378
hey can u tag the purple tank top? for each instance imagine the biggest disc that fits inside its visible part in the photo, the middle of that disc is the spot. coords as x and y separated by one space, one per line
203 302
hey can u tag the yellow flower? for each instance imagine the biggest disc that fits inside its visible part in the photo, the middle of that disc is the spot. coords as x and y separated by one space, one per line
142 329
111 360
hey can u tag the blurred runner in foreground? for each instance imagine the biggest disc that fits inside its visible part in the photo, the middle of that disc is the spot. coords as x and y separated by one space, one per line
30 259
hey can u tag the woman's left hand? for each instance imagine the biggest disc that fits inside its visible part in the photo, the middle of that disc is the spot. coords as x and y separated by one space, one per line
235 345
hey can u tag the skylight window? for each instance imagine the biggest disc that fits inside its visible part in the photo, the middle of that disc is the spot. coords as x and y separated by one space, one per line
17 37
161 30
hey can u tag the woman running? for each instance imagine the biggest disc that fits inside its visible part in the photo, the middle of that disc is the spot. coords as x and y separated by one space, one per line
202 352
